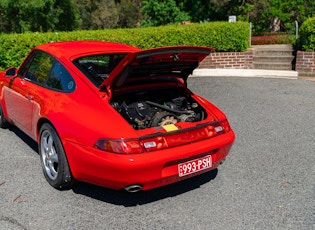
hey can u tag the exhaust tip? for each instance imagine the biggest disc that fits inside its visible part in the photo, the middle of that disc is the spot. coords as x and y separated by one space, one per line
133 188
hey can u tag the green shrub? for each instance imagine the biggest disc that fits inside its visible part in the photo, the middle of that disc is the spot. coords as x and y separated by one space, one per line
223 36
307 35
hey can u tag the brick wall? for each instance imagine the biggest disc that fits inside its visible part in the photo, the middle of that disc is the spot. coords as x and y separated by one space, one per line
305 63
228 60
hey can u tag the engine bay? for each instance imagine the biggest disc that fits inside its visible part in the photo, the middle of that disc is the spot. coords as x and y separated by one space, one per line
158 107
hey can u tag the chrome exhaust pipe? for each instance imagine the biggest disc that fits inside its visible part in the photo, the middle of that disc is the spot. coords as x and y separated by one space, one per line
133 188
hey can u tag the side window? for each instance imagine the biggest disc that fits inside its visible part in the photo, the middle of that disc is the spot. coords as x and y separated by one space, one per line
24 68
60 79
43 69
39 68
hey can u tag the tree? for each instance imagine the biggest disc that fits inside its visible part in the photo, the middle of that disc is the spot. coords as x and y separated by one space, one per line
37 15
266 15
64 15
163 12
240 8
104 14
68 17
129 13
97 14
20 16
199 11
280 15
287 11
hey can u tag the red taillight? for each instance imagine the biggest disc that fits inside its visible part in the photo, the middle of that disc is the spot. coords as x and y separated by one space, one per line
120 146
225 126
164 140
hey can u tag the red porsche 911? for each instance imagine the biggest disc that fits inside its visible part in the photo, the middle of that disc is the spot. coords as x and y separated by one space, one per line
114 115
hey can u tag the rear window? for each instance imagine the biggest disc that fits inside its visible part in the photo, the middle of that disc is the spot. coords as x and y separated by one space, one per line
98 67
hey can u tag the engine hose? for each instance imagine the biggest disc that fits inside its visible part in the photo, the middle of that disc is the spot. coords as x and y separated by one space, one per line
167 108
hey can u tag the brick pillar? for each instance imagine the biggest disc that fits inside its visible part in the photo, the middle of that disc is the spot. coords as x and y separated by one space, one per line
305 64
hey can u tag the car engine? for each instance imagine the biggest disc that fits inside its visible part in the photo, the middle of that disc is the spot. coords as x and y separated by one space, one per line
153 108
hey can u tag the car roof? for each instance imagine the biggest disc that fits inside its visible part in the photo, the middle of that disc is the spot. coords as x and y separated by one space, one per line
74 49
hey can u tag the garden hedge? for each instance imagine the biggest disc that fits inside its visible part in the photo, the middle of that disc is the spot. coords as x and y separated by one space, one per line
223 36
307 35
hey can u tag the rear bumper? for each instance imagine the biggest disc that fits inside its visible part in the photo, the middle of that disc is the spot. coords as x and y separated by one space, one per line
150 170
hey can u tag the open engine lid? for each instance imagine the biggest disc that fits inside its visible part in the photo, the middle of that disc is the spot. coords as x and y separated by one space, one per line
156 64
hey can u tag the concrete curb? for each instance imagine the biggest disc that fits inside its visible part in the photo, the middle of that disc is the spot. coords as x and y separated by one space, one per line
245 73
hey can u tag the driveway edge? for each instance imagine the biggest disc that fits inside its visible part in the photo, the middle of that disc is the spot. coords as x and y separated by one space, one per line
245 73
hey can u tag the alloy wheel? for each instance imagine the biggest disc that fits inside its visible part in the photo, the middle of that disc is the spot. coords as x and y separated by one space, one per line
49 155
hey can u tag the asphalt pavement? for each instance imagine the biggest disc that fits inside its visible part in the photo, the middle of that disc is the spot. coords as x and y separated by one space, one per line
266 182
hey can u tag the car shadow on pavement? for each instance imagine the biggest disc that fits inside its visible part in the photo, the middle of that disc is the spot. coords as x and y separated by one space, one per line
26 139
126 199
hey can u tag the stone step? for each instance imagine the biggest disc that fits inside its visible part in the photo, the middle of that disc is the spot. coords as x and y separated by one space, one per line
273 47
273 57
288 59
273 50
276 52
273 66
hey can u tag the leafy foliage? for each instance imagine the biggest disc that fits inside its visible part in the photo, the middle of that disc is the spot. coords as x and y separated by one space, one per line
129 13
97 14
223 36
37 15
307 35
65 15
275 15
163 12
198 11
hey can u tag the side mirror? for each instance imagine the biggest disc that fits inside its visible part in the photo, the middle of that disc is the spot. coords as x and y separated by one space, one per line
11 72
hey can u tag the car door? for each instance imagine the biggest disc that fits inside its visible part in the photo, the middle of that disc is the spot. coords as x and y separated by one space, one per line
19 96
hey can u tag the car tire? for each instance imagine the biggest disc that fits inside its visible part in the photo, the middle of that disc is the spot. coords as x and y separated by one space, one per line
53 159
3 121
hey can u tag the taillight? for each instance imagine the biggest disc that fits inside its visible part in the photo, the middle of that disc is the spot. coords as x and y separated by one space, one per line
120 146
164 140
225 126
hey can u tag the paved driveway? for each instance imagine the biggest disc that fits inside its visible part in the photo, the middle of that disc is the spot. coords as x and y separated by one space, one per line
267 182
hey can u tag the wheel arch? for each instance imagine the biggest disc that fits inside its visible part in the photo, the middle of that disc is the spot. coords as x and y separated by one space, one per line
43 121
68 179
40 122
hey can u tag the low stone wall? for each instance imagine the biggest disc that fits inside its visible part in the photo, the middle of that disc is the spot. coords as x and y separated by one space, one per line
228 60
305 63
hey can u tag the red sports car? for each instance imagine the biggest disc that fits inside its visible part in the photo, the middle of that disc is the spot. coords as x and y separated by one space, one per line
114 115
